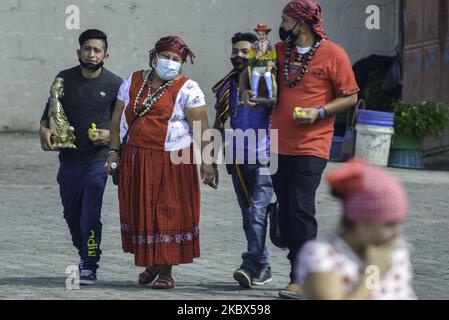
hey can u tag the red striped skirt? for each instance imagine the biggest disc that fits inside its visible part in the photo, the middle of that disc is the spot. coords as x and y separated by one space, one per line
159 208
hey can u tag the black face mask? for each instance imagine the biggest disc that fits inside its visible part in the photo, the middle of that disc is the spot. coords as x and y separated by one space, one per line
288 36
91 66
239 63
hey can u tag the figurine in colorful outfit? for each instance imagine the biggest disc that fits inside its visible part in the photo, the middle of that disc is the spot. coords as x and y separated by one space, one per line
263 64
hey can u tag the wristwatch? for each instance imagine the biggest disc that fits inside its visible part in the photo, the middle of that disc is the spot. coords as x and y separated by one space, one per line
321 112
113 151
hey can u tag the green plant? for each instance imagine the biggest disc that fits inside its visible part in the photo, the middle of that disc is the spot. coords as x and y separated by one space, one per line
421 119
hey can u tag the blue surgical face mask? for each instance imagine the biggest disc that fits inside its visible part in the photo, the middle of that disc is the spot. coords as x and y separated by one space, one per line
167 69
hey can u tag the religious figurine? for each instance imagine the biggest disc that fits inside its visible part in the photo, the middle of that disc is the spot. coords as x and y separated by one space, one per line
263 65
65 138
92 132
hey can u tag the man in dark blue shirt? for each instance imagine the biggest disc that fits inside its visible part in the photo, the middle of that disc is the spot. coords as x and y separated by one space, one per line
248 156
90 93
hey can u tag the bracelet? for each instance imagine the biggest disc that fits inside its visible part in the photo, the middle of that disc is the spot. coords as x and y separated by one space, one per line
113 151
321 113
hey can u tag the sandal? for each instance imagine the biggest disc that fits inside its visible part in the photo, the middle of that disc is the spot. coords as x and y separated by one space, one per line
164 282
148 276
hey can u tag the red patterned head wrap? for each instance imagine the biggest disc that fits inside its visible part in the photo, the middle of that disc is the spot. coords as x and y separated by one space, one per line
308 11
172 44
369 193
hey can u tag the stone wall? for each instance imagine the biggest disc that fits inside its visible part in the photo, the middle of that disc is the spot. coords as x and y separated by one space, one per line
35 43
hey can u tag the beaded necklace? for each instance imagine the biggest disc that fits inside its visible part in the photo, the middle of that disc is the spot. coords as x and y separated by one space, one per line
150 100
304 61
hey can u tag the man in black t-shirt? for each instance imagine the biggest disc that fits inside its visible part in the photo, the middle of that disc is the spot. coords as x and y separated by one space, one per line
90 93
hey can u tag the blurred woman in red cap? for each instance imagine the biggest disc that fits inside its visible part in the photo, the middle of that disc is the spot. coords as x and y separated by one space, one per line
368 259
159 199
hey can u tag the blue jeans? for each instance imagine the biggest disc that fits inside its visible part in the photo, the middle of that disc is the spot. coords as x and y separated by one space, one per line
255 220
81 188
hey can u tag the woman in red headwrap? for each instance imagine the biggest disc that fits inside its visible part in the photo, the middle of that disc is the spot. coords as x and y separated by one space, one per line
368 259
159 197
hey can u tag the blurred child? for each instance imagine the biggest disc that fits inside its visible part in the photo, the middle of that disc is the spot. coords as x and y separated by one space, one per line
368 258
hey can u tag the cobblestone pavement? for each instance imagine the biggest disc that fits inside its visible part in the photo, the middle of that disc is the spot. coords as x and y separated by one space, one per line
35 246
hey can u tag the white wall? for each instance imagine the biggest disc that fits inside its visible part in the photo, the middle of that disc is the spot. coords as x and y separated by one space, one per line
35 44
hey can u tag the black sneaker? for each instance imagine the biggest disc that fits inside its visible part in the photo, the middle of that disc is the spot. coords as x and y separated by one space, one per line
263 276
88 277
244 277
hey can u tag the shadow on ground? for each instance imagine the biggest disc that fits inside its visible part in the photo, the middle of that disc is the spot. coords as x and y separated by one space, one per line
216 289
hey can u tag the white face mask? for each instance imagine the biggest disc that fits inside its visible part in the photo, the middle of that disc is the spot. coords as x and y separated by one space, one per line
167 69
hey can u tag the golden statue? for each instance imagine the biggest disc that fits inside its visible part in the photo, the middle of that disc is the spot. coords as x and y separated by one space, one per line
57 120
92 132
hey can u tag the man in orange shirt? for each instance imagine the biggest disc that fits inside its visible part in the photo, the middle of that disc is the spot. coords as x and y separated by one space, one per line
316 75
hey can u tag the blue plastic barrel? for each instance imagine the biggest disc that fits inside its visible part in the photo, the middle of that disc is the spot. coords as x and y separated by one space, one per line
375 118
